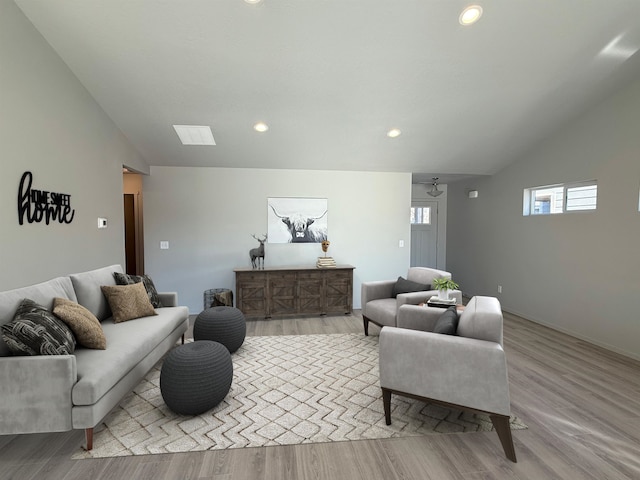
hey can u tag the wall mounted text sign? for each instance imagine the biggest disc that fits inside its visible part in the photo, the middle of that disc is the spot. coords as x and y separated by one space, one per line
34 206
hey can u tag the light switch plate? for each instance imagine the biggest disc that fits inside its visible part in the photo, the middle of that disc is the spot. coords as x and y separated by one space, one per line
164 245
102 222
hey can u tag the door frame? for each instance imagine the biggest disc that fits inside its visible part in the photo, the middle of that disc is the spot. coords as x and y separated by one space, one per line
132 185
435 207
419 193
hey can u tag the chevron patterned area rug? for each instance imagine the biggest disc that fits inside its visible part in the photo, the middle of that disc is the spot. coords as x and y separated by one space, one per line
286 390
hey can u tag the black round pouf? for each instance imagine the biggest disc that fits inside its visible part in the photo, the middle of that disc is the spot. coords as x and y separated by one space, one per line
221 324
195 377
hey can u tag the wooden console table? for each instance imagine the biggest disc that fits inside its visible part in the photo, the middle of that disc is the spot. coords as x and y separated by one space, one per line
294 290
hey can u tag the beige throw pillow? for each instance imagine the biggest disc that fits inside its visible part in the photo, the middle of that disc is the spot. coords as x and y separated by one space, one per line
84 324
128 301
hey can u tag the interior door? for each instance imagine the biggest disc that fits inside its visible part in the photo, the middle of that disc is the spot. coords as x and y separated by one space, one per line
130 234
424 233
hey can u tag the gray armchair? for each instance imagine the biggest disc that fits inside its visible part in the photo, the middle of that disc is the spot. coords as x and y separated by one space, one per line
379 306
467 371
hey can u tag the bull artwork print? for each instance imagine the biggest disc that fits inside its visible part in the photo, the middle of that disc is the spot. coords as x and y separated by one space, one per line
297 220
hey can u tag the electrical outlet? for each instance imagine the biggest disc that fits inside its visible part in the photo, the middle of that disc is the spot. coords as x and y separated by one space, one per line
164 245
499 288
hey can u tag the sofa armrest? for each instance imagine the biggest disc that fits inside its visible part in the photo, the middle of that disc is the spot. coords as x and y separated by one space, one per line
414 298
458 370
414 317
168 299
376 290
36 393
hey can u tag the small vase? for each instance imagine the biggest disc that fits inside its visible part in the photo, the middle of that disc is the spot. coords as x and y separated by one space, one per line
443 294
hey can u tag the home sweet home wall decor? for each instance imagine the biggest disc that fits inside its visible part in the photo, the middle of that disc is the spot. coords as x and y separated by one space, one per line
36 206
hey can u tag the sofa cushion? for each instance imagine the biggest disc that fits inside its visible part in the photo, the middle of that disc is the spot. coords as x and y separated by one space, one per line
447 322
126 279
382 311
87 287
41 293
84 324
34 330
128 302
405 286
128 343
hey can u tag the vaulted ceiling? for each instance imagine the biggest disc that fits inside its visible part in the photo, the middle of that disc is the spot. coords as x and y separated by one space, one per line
330 78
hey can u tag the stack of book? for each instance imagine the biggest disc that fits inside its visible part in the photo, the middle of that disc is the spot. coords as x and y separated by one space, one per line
441 302
326 262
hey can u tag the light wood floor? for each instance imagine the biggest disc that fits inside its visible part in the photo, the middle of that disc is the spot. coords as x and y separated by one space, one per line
581 403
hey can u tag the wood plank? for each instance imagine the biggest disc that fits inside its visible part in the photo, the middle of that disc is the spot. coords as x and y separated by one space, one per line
580 402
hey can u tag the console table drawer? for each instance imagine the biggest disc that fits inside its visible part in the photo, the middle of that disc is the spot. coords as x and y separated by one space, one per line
341 274
253 277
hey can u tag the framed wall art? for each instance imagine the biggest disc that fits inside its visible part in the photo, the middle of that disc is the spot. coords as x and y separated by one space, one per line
296 220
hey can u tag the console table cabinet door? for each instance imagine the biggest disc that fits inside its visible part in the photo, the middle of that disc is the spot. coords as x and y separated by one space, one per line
338 292
251 294
282 297
310 292
291 291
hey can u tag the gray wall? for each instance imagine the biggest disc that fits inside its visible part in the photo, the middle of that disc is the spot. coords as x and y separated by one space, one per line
208 215
577 272
51 126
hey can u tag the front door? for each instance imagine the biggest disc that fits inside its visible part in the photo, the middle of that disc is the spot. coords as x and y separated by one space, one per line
424 233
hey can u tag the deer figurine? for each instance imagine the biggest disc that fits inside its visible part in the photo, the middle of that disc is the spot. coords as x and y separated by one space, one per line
258 253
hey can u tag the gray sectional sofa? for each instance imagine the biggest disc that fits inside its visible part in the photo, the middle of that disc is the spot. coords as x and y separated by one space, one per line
54 393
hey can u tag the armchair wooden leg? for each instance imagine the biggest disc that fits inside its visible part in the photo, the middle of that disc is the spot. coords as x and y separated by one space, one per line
503 429
183 339
88 436
386 401
365 321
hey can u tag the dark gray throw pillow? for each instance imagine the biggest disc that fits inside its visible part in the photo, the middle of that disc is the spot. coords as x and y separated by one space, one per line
403 285
448 322
152 293
34 330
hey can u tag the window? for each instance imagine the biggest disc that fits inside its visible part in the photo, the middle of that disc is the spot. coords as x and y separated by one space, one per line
421 215
568 197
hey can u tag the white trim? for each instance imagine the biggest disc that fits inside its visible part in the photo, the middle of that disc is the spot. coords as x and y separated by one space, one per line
576 335
528 199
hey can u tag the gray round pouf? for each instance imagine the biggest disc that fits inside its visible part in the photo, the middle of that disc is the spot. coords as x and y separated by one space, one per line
221 324
195 377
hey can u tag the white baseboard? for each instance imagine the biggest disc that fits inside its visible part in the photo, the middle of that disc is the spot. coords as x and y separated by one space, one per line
577 335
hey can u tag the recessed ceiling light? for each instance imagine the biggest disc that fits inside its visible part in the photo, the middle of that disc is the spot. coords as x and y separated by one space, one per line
393 133
194 134
261 127
470 15
253 2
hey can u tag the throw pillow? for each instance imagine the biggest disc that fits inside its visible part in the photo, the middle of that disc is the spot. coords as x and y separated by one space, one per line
126 279
84 324
34 330
448 322
128 301
403 285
